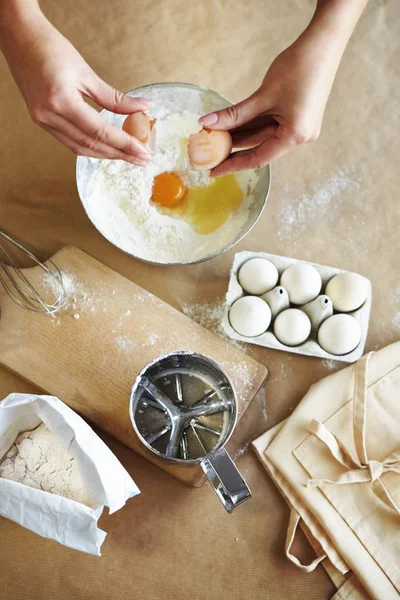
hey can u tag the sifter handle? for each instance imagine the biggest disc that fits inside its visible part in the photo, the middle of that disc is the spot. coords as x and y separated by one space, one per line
226 480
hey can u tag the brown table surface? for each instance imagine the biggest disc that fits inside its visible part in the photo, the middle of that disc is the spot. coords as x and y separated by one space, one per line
334 202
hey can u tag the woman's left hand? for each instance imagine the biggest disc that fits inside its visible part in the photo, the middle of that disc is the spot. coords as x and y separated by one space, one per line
288 108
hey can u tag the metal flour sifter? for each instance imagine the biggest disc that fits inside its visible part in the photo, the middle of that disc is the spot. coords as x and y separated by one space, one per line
183 408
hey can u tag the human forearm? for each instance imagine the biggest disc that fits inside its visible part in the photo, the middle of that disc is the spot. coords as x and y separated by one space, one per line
287 109
336 20
21 22
322 44
54 80
14 12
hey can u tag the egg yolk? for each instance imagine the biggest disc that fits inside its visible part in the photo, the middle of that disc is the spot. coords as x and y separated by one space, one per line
168 190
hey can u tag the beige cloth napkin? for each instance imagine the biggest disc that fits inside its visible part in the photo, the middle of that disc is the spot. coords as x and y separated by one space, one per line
336 461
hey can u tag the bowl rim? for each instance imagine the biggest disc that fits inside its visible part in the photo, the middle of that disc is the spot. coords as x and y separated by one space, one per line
202 259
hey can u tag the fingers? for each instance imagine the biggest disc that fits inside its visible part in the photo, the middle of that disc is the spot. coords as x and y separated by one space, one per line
256 123
83 145
249 139
89 121
234 116
256 158
108 97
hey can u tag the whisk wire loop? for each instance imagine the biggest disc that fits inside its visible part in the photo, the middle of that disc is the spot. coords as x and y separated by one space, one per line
18 286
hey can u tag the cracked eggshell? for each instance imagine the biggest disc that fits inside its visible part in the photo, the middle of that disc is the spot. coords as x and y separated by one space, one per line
257 276
208 148
348 291
142 127
302 282
277 299
339 334
318 310
292 327
250 316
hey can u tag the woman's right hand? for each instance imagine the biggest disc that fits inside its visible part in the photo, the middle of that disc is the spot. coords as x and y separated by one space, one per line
54 80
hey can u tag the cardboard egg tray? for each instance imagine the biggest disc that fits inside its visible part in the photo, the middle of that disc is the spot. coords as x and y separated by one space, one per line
268 339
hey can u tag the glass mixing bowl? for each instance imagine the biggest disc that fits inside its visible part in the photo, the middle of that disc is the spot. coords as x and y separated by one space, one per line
174 98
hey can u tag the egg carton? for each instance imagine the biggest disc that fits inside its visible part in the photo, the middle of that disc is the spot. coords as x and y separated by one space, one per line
310 347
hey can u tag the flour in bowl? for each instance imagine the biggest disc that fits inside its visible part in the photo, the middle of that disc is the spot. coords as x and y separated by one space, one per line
120 204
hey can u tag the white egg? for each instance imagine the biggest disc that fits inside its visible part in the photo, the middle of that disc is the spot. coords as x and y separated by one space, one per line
348 291
257 276
302 282
277 299
318 310
250 316
339 334
292 327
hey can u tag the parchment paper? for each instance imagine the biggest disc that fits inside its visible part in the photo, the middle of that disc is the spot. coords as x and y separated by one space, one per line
334 202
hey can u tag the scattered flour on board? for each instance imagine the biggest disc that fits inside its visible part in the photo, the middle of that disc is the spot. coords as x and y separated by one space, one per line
152 339
209 315
299 214
72 288
240 375
125 343
261 400
75 294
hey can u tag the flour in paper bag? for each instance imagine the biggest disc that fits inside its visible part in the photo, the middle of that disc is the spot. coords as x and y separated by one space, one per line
37 459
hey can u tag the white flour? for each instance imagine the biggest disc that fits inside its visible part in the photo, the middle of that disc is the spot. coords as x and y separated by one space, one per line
241 451
301 214
209 315
329 364
37 459
261 399
396 302
285 370
125 343
396 322
121 209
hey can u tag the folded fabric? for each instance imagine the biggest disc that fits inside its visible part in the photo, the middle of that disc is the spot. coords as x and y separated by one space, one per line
336 461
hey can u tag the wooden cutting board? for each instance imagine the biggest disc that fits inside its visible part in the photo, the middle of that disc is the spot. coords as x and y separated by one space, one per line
90 354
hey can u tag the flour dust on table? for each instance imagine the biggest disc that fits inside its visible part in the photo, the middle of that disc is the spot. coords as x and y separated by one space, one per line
167 212
299 214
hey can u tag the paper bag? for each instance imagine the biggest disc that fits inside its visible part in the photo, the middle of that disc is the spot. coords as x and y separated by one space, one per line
52 516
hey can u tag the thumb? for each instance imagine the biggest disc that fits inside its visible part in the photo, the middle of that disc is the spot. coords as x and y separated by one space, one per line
108 97
233 116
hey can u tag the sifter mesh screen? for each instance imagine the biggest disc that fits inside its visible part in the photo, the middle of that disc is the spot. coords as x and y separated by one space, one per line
184 389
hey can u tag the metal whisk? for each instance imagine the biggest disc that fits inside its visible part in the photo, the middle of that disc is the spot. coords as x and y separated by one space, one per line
20 289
